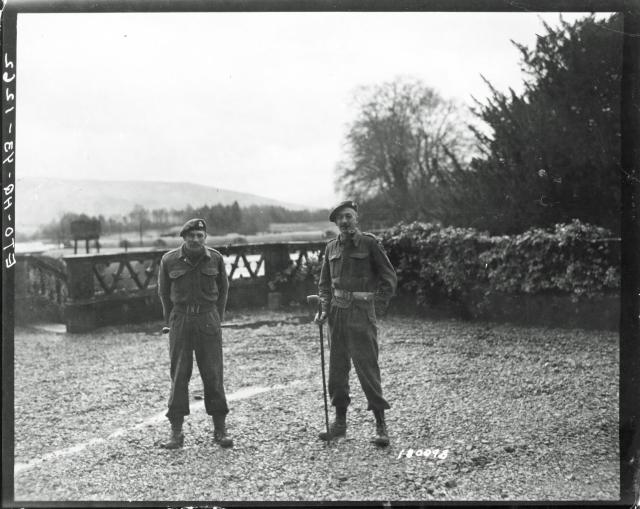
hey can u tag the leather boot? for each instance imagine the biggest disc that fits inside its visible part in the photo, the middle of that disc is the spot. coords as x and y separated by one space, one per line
338 428
176 440
381 438
220 431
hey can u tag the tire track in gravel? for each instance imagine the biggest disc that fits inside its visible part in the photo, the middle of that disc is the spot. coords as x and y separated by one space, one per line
197 406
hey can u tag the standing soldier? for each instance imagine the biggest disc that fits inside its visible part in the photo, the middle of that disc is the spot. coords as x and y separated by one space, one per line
356 280
193 287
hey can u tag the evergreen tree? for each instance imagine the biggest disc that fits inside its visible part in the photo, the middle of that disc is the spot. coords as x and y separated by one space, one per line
553 153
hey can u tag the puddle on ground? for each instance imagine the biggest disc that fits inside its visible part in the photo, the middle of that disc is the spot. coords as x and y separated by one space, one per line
247 392
145 327
56 328
296 320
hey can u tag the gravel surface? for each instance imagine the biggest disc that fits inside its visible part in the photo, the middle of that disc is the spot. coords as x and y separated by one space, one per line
523 413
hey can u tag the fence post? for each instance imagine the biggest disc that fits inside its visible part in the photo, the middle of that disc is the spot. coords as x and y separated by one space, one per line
21 293
21 279
80 315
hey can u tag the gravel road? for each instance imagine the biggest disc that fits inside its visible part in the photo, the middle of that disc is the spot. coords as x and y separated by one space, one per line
515 413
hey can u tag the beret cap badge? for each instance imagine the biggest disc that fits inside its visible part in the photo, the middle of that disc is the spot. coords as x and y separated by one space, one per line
345 204
193 224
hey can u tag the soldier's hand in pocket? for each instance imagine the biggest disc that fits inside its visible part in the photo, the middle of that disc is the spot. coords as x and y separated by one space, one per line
320 318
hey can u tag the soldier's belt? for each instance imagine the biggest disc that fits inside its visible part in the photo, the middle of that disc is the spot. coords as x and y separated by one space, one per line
193 309
345 294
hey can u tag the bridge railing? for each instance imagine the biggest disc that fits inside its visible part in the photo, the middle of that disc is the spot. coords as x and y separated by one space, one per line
89 290
41 288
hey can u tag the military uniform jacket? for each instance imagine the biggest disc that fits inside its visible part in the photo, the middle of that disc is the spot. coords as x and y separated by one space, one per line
204 283
356 265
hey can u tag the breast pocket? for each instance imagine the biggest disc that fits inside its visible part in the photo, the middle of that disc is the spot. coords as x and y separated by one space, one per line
335 263
360 264
208 279
179 284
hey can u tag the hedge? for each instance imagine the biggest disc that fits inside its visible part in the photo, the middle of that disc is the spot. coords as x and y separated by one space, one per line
464 267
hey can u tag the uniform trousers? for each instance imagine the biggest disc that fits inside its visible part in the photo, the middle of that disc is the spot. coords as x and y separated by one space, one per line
353 334
199 333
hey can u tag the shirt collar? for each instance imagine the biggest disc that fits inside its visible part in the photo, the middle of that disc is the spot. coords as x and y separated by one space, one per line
356 238
184 257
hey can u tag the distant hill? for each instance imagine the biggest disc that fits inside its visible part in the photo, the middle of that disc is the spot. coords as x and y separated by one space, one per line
42 200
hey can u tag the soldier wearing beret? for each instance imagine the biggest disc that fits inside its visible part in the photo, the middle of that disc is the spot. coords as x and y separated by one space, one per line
356 282
193 287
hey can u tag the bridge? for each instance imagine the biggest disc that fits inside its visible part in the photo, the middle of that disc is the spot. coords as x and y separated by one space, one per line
85 291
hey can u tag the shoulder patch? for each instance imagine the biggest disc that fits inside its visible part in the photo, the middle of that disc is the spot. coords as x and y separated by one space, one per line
371 236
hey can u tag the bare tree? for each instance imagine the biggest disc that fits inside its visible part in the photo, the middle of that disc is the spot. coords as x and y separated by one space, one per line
404 140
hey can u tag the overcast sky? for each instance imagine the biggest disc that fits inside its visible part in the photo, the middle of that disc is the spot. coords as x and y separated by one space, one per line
253 102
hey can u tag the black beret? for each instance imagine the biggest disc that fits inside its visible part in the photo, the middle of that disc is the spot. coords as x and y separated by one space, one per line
348 203
193 224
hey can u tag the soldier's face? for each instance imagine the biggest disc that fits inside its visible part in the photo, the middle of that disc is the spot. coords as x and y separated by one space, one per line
347 220
194 239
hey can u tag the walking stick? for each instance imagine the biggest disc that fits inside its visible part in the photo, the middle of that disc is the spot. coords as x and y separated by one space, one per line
311 299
